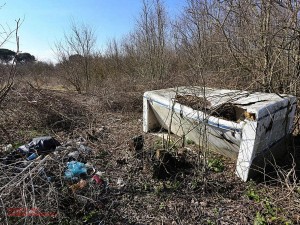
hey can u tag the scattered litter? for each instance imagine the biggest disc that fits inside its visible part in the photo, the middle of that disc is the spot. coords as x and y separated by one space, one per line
43 145
75 170
89 165
8 147
78 186
32 156
84 149
39 146
45 162
90 168
23 150
97 179
99 173
74 155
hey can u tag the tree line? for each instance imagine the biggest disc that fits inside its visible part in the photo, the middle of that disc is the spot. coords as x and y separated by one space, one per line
7 56
253 44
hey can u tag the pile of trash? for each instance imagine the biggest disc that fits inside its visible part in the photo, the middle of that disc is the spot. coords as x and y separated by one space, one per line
38 146
73 155
47 174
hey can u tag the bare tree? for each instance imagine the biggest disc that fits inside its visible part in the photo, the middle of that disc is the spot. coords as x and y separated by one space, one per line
114 57
251 43
149 41
191 35
7 78
74 55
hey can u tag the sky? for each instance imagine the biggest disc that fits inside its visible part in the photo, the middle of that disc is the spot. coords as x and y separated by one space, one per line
46 21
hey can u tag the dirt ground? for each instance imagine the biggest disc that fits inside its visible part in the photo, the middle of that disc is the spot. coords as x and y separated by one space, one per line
137 189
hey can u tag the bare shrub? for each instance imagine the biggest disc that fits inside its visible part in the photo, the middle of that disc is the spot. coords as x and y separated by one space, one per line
146 50
74 55
254 43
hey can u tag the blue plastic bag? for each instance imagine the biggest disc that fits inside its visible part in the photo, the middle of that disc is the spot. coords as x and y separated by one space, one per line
75 169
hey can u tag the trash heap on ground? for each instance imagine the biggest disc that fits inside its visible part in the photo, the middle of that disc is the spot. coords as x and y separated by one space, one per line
47 174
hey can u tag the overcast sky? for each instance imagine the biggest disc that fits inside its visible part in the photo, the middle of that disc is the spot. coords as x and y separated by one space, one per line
45 21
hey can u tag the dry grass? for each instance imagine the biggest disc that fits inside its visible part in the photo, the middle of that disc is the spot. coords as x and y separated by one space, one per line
134 195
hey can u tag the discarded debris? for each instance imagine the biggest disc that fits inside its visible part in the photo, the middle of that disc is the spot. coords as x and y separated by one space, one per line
42 165
242 125
227 111
30 151
75 170
80 185
193 101
97 179
74 155
90 168
250 116
43 145
84 149
32 156
8 147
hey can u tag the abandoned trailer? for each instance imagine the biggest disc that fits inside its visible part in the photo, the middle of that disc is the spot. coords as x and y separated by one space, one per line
242 125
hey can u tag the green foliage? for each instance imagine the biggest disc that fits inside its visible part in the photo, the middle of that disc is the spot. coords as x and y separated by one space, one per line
17 144
260 219
165 186
209 222
159 188
164 144
6 55
147 187
190 142
162 206
25 58
91 215
173 185
269 214
253 195
270 209
196 184
265 218
215 165
298 190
